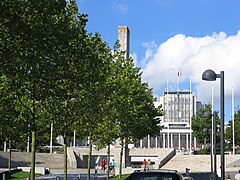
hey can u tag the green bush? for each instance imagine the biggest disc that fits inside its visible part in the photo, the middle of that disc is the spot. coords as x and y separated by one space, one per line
124 176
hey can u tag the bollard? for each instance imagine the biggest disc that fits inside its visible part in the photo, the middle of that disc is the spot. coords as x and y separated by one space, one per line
57 178
95 174
28 178
4 176
79 177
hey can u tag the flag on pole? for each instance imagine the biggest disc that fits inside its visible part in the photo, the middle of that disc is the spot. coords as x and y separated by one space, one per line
179 73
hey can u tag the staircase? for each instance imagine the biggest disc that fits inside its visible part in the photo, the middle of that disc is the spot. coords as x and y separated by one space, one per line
22 159
200 163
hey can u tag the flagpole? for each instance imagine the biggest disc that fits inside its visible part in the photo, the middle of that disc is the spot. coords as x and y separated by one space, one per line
178 74
213 151
190 119
74 138
233 126
178 109
168 113
51 138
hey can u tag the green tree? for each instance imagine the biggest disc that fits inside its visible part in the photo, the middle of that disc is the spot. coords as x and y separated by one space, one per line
69 75
132 103
106 131
229 131
92 96
11 126
199 123
136 111
28 39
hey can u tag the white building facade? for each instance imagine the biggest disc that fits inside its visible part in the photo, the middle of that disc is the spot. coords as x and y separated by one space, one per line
179 107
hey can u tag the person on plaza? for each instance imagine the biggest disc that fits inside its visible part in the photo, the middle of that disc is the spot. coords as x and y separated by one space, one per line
103 165
148 164
144 164
113 165
187 172
237 176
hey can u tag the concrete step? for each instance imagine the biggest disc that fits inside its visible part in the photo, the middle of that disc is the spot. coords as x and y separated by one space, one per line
200 163
24 159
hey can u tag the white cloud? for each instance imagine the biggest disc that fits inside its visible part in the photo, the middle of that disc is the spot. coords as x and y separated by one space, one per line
192 56
134 56
121 6
150 51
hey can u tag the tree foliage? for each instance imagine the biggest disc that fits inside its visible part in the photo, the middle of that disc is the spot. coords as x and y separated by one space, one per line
30 34
53 71
229 132
129 105
199 123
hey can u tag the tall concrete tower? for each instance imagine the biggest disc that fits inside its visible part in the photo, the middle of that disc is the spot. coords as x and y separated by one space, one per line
124 38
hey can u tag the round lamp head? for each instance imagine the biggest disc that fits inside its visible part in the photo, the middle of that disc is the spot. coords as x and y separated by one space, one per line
205 130
209 75
207 114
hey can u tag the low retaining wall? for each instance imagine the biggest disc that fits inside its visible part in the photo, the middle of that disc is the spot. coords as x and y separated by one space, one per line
38 170
4 174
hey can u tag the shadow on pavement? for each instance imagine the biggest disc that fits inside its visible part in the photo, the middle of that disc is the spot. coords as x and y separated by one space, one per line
199 176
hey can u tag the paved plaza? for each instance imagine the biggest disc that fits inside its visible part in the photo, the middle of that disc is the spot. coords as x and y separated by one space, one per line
199 165
71 177
82 175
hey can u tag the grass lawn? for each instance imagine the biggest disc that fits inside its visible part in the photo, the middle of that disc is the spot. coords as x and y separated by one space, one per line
20 175
124 176
24 175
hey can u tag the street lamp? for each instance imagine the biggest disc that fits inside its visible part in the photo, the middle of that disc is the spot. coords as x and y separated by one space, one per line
206 130
210 75
208 115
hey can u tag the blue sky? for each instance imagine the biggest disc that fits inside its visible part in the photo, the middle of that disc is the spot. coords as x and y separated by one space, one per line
170 36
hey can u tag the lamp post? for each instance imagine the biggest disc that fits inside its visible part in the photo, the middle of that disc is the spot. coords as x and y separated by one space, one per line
208 115
210 75
206 130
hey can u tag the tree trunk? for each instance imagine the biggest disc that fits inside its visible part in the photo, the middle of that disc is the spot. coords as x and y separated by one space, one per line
65 143
10 157
33 155
108 161
89 157
65 156
121 155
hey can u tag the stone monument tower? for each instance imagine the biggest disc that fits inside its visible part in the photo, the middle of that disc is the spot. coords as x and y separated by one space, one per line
124 38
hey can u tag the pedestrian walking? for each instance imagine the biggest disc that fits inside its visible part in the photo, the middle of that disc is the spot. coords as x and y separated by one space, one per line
103 165
144 164
187 172
113 165
148 164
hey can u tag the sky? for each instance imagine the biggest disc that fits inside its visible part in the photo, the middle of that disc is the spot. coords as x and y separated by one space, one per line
171 36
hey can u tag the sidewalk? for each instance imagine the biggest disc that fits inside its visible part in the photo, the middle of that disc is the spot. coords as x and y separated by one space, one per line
80 173
84 171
